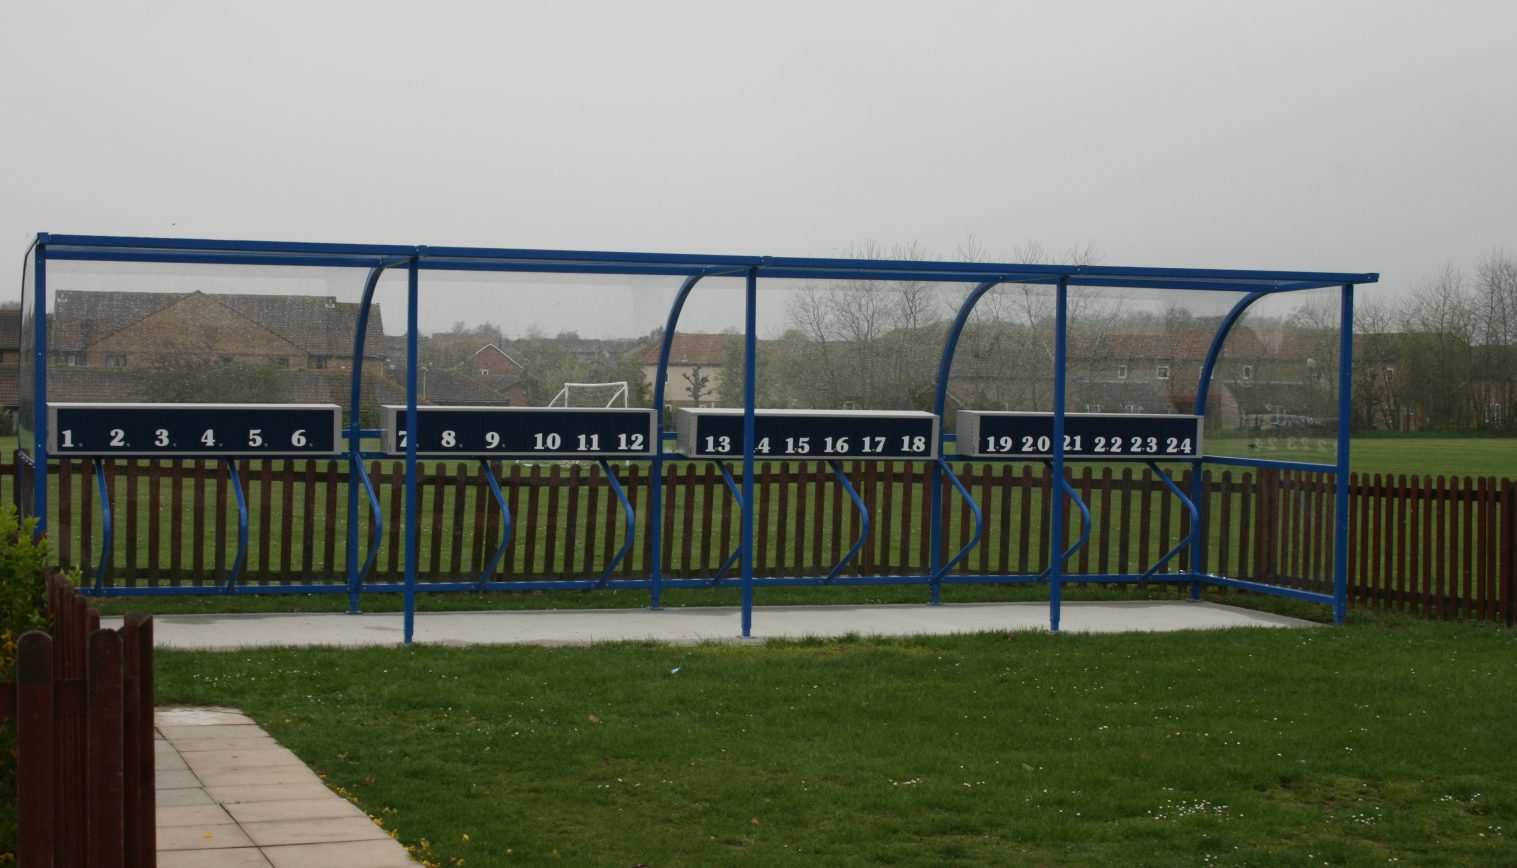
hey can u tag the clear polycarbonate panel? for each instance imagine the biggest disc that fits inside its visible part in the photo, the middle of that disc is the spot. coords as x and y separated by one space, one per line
1005 355
533 340
1274 394
1139 351
181 333
852 344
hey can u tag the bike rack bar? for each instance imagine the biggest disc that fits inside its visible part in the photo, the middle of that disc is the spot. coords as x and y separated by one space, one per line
629 522
242 527
1084 527
737 493
979 530
505 531
106 525
842 478
377 532
1195 521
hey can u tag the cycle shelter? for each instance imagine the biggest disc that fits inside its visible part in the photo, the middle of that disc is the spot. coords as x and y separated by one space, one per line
958 370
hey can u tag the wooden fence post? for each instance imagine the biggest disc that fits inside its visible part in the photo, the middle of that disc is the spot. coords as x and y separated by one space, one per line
34 749
103 766
1508 553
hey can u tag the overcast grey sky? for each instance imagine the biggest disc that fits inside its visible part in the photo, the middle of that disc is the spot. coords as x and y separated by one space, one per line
1349 136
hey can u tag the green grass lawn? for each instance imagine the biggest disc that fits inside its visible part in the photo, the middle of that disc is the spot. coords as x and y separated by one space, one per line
1385 741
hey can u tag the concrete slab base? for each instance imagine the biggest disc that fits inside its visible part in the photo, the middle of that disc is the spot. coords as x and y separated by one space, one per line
693 624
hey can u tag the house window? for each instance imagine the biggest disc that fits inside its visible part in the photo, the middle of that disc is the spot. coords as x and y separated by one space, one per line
1248 372
1121 372
1134 408
484 372
224 360
115 360
1161 372
1092 408
279 362
318 362
1493 413
71 359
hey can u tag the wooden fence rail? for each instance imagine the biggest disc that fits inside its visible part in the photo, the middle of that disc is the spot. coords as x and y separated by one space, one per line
83 703
1435 547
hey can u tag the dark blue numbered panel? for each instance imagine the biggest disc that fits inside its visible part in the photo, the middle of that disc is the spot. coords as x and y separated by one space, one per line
860 435
170 430
525 432
1087 436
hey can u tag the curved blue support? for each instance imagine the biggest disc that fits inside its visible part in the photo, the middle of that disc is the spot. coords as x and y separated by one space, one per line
629 524
242 527
979 529
837 470
107 532
1203 388
505 531
656 468
355 457
1203 392
1084 526
1195 522
939 407
738 494
355 583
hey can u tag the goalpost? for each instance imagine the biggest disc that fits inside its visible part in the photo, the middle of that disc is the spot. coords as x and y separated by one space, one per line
613 394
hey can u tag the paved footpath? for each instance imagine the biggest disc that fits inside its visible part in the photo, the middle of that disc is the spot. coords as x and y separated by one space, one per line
229 796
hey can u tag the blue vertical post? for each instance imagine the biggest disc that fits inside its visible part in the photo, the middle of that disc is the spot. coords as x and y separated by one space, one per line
1345 417
413 279
39 385
1056 491
750 381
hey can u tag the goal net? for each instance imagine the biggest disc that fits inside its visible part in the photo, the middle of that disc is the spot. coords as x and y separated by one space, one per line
591 395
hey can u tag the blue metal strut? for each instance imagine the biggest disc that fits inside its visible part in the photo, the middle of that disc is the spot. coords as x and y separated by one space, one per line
974 540
738 494
242 527
842 478
377 529
629 524
1084 527
106 524
505 531
1195 521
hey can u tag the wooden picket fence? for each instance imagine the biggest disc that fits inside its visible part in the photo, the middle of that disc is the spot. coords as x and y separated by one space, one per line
83 707
1435 547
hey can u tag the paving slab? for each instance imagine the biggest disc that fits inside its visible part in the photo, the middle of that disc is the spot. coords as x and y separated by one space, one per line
245 802
694 624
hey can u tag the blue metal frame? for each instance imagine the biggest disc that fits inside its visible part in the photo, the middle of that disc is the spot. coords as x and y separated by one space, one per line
1251 284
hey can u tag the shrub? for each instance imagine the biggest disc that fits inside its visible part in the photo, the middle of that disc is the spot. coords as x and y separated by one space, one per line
23 607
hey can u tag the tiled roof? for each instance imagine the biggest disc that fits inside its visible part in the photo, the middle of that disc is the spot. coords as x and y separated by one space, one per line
320 325
691 348
10 386
10 328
